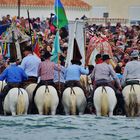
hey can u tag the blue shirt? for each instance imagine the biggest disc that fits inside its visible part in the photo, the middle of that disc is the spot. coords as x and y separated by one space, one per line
30 65
13 74
73 72
59 74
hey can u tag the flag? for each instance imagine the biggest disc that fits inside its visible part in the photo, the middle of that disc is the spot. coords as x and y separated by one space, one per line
36 49
1 48
4 49
76 52
56 48
61 19
8 51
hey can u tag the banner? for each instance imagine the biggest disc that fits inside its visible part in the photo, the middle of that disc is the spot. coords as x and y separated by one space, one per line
76 32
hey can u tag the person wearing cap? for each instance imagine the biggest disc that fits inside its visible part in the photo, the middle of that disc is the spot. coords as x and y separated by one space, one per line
30 64
104 73
73 73
14 76
132 69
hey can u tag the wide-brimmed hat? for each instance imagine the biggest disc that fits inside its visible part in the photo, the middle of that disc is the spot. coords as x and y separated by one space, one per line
135 53
76 61
47 54
105 57
12 60
27 48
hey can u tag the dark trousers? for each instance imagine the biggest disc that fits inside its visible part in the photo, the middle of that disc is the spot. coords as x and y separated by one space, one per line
31 79
74 83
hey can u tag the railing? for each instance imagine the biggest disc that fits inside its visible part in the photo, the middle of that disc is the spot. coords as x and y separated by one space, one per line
103 21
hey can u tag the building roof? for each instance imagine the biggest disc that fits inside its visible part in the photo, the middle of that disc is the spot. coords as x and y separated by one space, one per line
45 3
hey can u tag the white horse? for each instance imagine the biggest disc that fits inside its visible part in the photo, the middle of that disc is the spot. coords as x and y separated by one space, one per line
30 89
74 100
46 100
131 95
16 102
104 101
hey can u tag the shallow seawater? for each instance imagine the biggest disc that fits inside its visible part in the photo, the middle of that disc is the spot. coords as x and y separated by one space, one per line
84 127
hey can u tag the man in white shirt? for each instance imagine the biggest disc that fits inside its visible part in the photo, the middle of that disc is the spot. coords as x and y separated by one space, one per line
30 64
132 69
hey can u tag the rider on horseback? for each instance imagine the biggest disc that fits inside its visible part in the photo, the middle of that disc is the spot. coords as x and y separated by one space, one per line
14 76
104 75
131 73
46 73
30 65
73 73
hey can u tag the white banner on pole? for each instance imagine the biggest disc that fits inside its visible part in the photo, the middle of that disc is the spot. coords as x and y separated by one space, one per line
77 32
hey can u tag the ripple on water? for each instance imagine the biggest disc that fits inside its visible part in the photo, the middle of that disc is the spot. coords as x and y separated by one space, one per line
82 127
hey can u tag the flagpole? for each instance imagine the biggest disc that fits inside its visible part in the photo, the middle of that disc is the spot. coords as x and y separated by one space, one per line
85 44
29 25
58 53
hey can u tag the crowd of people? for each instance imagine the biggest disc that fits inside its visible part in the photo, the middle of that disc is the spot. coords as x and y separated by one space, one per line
125 45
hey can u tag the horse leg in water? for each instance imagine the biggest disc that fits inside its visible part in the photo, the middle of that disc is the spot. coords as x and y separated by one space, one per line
81 104
112 102
97 103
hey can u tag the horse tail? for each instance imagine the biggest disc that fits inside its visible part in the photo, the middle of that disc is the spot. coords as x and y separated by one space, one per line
104 102
133 106
47 100
73 101
20 103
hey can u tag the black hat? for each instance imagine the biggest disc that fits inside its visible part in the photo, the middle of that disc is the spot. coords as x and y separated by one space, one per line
47 54
105 57
76 61
12 60
27 48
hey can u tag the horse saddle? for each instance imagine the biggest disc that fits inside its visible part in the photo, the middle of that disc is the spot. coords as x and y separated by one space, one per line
132 82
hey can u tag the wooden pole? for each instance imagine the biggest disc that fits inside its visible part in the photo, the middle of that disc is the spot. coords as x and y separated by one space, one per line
29 25
19 8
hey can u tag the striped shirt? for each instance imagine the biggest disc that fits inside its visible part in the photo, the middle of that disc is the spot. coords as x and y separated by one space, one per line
46 70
